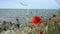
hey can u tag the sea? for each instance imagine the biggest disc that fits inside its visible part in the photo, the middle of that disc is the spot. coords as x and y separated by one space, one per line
24 15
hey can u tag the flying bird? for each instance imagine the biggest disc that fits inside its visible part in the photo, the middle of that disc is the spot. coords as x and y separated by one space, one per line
23 4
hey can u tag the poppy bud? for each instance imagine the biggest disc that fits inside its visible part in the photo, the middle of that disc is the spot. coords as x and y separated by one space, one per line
49 18
59 19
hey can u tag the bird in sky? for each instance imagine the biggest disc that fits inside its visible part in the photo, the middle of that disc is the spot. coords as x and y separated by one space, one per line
23 4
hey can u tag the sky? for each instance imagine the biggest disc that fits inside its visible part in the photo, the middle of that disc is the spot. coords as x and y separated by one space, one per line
29 4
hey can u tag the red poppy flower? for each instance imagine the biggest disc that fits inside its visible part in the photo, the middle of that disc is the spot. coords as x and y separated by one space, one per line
41 32
36 19
53 15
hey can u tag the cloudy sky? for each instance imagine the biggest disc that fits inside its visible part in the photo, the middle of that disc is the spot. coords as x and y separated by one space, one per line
29 4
